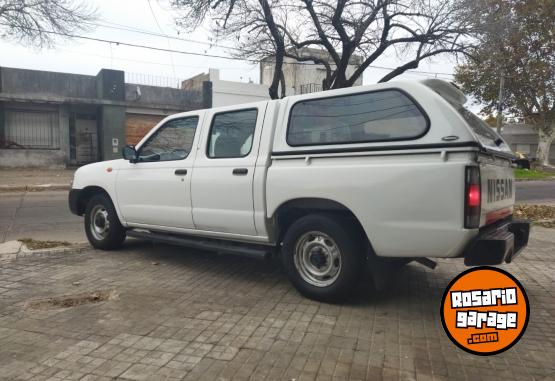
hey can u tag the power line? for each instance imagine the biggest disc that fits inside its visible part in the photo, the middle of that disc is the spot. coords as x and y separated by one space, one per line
210 44
160 28
143 61
254 61
155 34
133 45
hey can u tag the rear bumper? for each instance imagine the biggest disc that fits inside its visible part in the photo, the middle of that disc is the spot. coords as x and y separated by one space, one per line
498 244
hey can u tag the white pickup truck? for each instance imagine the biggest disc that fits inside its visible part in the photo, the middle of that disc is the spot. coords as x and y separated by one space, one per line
330 181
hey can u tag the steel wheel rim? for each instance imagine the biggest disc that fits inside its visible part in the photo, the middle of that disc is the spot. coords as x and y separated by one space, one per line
317 259
99 223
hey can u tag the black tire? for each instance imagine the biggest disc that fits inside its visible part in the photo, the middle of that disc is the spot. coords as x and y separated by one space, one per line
351 251
114 234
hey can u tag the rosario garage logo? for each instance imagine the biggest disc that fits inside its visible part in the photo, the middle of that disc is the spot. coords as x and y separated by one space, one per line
485 311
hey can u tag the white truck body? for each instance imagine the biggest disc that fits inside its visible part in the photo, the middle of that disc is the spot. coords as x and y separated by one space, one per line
407 193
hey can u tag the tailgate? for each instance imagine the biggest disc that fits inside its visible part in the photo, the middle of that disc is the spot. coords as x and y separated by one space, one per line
498 189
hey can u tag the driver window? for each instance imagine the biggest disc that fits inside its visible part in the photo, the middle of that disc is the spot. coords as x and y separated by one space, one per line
172 141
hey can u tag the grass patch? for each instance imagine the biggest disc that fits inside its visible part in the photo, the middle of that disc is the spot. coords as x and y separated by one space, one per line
531 174
34 244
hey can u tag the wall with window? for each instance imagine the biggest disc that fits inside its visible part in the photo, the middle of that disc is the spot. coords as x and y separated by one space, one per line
33 135
50 119
306 76
226 93
524 138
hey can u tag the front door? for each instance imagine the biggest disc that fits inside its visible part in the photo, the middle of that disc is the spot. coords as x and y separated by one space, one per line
223 176
156 191
86 141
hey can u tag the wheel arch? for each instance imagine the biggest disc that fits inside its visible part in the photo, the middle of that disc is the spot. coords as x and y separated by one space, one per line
290 211
86 194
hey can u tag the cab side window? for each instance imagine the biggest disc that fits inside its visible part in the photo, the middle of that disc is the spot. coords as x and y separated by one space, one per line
231 134
172 141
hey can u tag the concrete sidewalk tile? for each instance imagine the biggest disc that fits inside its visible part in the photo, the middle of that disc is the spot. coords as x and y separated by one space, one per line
199 316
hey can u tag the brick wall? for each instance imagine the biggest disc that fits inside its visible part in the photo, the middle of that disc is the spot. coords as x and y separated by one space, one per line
138 125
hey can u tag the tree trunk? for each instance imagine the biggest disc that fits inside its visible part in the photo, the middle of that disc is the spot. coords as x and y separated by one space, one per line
280 49
282 84
545 139
278 74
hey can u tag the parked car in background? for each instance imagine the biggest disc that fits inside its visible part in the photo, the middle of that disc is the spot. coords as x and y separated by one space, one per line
330 181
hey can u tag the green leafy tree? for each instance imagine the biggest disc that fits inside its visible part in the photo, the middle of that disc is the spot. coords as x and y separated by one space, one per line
491 120
518 41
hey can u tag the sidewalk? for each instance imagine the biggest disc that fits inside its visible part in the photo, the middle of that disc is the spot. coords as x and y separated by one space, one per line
169 313
36 179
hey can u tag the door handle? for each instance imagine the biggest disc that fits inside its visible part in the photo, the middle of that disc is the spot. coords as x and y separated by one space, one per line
180 172
240 171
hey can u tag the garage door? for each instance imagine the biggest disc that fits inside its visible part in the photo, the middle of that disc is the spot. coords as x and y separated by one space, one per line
138 125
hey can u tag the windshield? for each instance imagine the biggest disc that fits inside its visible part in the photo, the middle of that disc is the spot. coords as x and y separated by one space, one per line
486 135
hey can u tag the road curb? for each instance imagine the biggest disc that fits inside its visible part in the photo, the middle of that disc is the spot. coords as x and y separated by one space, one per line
16 249
33 188
547 224
542 179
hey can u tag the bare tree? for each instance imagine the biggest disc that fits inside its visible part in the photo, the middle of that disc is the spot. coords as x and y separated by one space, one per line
39 22
345 31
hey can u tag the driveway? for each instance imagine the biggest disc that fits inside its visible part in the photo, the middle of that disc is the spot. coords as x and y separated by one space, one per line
158 312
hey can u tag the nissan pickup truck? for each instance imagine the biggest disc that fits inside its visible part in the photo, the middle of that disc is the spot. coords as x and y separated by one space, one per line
332 182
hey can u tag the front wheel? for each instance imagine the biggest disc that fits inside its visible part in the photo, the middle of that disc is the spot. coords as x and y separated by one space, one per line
322 257
102 226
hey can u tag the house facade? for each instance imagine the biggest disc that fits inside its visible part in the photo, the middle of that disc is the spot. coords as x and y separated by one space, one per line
226 93
50 119
524 138
305 76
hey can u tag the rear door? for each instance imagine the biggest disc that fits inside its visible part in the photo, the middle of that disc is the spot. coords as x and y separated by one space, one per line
222 182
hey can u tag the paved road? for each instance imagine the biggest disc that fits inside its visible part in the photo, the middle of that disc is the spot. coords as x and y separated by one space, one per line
39 215
535 192
45 215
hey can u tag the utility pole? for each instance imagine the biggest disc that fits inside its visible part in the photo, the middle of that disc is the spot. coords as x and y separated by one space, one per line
500 103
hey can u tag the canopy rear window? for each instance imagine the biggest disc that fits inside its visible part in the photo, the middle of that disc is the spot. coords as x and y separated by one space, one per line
485 134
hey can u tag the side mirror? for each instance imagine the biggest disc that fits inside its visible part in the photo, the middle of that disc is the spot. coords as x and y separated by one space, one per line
129 153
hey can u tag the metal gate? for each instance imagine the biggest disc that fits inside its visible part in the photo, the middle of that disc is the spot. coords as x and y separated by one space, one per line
86 139
32 129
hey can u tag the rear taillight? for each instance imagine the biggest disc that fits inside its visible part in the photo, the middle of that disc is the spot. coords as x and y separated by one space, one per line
472 198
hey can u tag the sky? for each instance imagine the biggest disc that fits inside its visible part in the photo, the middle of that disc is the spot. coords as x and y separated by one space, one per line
155 67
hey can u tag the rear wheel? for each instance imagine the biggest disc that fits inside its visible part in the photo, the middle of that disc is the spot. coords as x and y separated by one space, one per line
322 257
102 226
